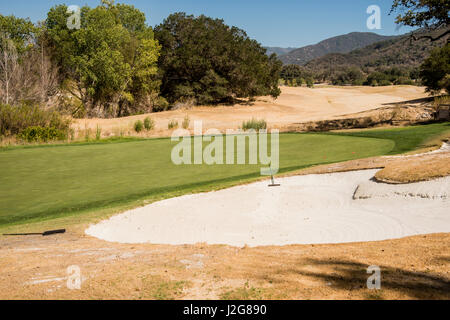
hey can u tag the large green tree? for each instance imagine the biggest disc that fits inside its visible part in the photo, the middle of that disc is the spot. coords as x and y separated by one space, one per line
110 63
435 71
204 60
429 14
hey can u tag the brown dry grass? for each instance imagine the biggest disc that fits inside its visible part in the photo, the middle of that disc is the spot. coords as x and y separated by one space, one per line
412 268
413 170
294 105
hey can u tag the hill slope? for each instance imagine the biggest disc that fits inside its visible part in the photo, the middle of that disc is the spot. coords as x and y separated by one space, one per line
340 44
278 50
398 52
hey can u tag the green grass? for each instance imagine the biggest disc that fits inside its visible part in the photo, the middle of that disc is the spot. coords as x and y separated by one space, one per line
46 182
407 138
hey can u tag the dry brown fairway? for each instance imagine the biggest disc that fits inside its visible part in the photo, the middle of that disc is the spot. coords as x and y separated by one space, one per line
35 268
294 105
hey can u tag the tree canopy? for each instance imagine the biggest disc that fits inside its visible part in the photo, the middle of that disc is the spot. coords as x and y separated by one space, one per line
204 60
422 13
435 71
429 14
18 30
110 63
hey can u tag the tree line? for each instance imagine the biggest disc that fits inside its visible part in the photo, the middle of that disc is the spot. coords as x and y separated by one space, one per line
116 65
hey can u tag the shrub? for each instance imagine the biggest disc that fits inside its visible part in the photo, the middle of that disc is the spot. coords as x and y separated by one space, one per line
254 124
15 119
42 134
383 83
310 83
186 122
160 104
138 126
173 124
149 124
435 70
206 60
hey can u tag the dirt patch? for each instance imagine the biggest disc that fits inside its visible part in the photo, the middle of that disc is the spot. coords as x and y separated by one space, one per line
412 268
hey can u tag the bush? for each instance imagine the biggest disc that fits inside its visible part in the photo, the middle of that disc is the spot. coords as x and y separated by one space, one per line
160 104
149 124
206 60
254 124
138 126
15 119
41 134
435 70
173 124
403 81
383 83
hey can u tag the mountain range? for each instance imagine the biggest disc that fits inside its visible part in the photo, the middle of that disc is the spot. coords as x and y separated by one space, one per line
340 44
278 50
400 51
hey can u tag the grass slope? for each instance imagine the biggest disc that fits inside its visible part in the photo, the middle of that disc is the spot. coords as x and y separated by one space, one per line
407 138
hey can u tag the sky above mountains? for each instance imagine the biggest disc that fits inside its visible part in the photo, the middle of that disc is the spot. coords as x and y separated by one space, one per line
282 23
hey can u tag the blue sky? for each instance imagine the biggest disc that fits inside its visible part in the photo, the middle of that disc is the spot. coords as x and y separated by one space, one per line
284 23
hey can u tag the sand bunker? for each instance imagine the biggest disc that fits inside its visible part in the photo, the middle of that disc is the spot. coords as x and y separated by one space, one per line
311 209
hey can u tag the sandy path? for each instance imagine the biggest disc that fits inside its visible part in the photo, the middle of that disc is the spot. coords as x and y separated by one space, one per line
294 105
310 209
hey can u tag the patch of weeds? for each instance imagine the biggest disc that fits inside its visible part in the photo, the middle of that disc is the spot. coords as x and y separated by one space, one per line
375 295
149 124
186 122
98 133
159 289
173 124
246 293
254 124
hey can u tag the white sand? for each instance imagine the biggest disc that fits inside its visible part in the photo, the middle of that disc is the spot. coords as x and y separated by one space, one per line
312 209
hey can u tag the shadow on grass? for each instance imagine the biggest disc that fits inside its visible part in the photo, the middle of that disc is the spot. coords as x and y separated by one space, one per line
349 275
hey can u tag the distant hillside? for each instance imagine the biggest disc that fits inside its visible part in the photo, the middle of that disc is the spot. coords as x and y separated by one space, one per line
395 52
278 51
341 44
